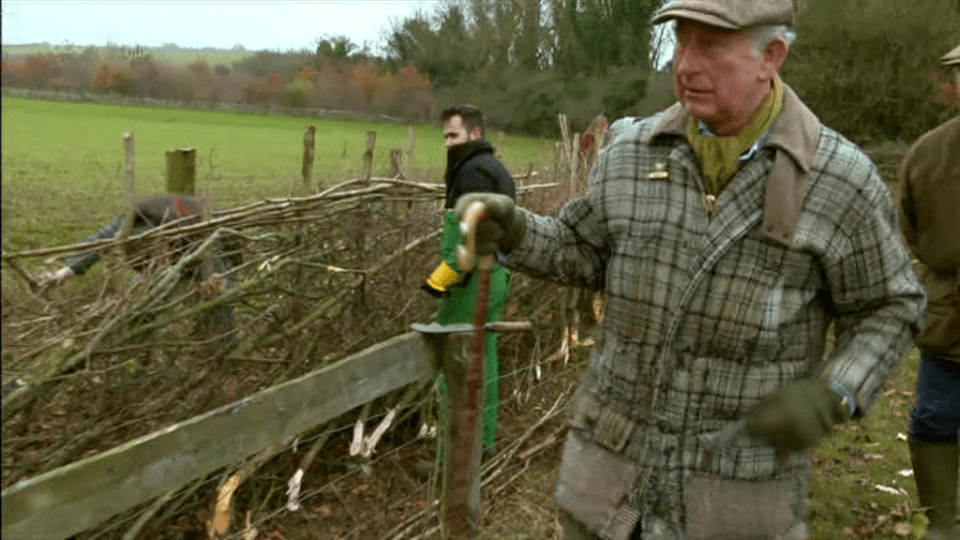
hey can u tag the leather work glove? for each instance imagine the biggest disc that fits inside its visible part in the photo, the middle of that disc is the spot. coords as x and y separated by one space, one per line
503 231
798 415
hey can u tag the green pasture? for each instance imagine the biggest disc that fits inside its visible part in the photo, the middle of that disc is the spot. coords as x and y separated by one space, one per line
62 162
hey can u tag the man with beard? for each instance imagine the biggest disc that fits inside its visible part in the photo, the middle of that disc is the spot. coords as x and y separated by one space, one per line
471 168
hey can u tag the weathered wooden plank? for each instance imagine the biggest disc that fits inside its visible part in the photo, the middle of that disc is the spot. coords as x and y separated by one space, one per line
81 495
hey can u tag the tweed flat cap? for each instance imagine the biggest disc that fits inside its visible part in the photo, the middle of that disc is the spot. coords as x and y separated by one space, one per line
952 58
732 14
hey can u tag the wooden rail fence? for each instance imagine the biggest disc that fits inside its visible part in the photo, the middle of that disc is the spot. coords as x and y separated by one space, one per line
81 495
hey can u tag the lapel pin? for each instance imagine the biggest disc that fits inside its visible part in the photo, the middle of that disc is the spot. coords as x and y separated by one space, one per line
659 172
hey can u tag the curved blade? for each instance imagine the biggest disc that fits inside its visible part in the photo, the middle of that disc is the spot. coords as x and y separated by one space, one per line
433 328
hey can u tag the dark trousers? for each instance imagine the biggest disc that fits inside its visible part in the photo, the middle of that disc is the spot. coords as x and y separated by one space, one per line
935 419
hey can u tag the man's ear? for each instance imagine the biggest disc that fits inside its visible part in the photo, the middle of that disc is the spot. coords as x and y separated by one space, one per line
476 134
774 54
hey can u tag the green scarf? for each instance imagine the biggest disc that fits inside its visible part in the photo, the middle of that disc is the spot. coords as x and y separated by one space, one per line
720 156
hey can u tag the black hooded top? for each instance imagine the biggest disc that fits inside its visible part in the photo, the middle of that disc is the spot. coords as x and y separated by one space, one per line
472 168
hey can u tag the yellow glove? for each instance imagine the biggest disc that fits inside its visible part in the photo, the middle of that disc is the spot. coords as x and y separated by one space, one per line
439 282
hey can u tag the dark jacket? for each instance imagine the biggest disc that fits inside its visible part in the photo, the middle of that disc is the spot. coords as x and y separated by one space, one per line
471 168
930 206
149 213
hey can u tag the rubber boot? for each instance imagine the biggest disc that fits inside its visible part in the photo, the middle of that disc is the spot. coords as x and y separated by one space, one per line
935 471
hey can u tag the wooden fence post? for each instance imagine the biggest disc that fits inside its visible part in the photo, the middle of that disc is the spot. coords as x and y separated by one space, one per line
461 504
309 144
297 304
396 163
182 171
368 157
129 155
411 148
363 215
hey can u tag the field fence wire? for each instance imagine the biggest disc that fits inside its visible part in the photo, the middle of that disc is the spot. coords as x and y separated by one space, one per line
122 353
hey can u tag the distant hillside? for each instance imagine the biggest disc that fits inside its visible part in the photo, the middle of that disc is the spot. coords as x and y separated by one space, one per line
168 53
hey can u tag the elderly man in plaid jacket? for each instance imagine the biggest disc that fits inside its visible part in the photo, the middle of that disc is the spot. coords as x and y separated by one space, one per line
728 231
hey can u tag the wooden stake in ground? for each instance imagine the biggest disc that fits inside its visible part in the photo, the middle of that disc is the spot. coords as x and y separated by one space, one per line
309 144
129 153
396 163
368 156
364 220
411 148
182 171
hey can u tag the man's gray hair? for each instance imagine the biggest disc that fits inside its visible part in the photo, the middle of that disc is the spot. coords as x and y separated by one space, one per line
766 34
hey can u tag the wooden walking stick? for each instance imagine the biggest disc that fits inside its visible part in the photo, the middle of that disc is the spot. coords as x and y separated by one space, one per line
463 505
466 389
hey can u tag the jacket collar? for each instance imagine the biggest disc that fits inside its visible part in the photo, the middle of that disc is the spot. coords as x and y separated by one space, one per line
796 131
795 135
458 154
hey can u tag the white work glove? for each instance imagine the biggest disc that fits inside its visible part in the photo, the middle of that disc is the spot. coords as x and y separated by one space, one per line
51 279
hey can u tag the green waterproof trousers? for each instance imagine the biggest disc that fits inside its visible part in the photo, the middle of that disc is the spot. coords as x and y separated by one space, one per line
460 307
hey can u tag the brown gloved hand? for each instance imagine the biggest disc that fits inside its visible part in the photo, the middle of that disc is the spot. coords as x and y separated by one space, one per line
798 415
505 228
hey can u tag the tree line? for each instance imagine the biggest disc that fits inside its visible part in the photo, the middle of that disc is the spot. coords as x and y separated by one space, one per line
325 77
867 67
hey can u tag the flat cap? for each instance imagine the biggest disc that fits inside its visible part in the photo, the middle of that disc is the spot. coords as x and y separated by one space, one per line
731 14
952 58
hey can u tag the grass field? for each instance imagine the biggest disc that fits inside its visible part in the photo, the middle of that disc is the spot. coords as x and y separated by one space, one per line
62 162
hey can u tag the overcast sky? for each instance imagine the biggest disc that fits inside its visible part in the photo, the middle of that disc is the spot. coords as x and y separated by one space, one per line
266 24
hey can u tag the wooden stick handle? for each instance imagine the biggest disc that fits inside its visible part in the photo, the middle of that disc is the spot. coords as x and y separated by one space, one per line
467 258
509 326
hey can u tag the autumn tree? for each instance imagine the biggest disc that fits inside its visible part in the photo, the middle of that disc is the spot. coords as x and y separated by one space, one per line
407 93
112 77
39 69
365 78
200 80
146 77
12 72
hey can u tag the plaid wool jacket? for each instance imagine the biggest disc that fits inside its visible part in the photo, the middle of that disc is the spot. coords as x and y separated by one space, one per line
711 305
